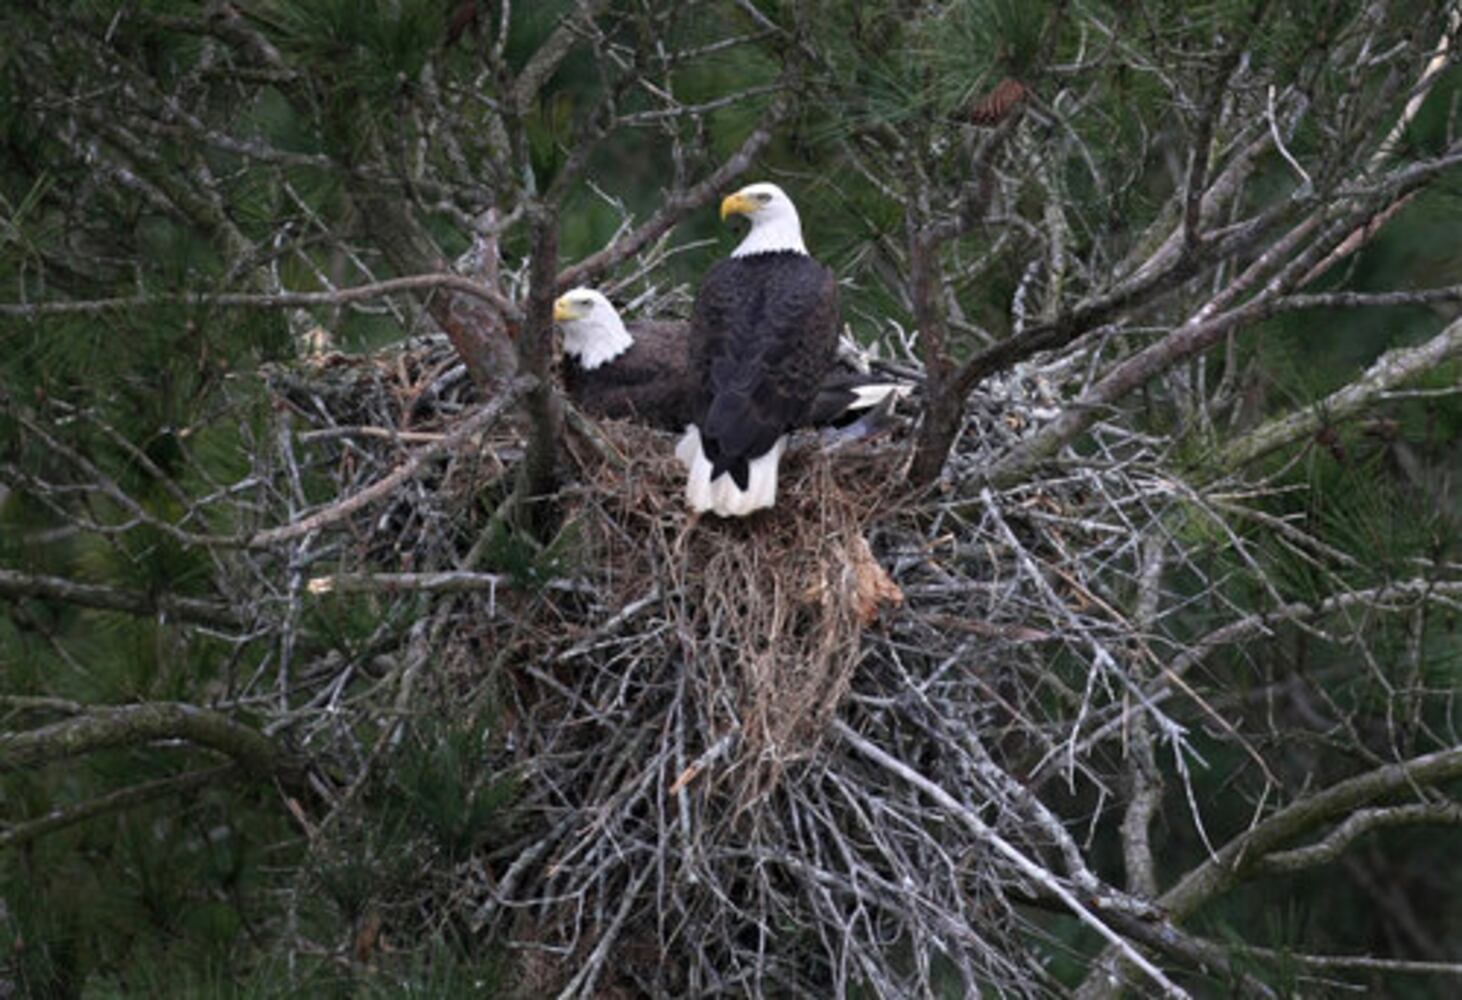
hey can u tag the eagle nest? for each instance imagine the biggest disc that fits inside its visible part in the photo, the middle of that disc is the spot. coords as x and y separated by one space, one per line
765 613
668 755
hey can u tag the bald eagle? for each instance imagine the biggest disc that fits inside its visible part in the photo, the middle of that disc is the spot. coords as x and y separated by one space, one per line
763 333
635 372
641 370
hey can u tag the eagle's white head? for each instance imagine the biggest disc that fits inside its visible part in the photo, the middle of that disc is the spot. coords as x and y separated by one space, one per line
774 222
592 330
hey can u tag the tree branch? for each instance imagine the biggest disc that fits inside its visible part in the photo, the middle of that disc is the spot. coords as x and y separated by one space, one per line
407 470
446 582
269 300
1358 823
1352 300
548 56
16 585
1147 780
538 474
1243 855
1163 937
106 728
1205 327
680 204
1389 370
122 798
1262 624
476 324
1027 867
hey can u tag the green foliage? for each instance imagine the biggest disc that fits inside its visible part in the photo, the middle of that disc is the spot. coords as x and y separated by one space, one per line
897 69
42 947
446 788
370 48
159 887
367 865
528 564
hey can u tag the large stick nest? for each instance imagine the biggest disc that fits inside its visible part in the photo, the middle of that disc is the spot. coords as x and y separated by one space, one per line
669 692
767 611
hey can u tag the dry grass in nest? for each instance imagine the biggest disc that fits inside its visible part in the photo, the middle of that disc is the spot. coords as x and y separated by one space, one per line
769 610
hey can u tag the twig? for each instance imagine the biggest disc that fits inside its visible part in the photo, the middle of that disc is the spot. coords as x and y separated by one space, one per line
582 985
1027 867
268 300
413 466
16 585
124 798
443 582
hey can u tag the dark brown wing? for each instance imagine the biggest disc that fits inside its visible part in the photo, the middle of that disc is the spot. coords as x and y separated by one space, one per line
649 383
763 334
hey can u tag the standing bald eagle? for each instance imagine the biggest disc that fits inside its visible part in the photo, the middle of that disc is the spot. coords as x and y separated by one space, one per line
641 370
762 336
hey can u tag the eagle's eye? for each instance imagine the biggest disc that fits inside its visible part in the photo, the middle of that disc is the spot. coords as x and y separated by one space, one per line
763 197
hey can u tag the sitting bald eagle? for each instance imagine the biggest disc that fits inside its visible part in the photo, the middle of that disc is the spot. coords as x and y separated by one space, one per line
641 370
611 370
762 337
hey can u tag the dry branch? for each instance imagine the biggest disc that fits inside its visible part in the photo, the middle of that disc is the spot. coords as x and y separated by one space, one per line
1388 371
1025 865
17 586
462 433
1243 855
267 300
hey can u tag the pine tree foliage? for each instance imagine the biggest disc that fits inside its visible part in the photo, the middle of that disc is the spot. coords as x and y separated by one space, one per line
337 658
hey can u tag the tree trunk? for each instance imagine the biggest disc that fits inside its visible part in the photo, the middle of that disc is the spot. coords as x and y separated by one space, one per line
538 477
477 331
943 402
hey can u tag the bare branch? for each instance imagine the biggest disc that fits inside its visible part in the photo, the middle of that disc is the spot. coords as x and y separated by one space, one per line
1388 371
1357 824
1023 864
1392 597
678 205
446 582
1241 857
16 586
1353 300
269 300
414 466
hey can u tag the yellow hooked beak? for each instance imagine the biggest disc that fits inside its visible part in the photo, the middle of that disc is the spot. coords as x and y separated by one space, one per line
563 310
737 204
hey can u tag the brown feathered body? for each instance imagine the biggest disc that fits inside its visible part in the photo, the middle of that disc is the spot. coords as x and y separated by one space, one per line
650 383
763 336
647 383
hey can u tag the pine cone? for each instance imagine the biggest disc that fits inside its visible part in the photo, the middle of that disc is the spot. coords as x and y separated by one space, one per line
994 106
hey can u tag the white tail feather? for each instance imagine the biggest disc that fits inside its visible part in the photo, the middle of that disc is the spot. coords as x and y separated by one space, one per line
723 496
699 494
866 396
689 445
